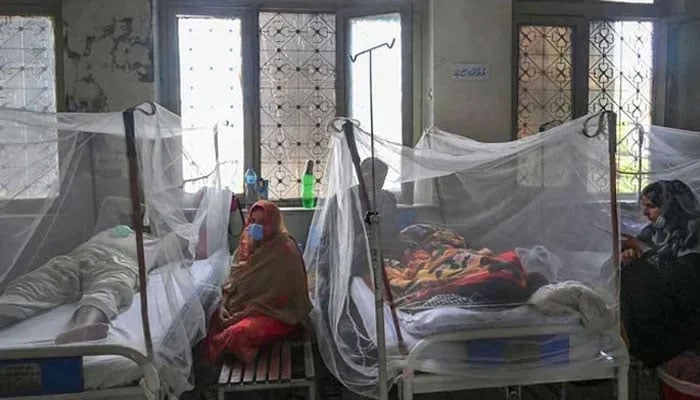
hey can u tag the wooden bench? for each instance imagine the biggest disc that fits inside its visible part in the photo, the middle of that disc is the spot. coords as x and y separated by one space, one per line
286 365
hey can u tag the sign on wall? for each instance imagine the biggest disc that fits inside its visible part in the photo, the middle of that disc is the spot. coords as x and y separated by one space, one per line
471 71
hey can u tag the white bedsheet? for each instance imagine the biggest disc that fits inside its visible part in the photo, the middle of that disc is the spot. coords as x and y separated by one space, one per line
453 355
114 371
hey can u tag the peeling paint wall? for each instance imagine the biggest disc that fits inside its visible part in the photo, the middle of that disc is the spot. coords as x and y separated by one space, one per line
108 66
109 54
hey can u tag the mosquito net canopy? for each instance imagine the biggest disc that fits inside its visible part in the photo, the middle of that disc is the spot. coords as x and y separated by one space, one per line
69 271
489 239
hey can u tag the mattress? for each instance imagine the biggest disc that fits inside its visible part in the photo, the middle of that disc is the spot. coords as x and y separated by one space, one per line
451 356
101 372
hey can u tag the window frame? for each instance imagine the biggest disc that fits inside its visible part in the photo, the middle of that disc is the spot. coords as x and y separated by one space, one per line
53 10
578 16
167 57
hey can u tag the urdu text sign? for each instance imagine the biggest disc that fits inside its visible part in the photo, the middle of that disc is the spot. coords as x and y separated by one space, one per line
471 71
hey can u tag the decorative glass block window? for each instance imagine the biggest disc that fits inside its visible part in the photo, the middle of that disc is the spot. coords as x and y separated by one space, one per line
545 96
620 80
297 98
28 82
211 95
545 93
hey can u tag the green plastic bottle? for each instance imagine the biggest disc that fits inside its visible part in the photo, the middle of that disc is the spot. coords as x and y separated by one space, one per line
307 186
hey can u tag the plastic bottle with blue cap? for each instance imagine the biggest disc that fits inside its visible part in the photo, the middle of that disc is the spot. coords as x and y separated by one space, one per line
251 190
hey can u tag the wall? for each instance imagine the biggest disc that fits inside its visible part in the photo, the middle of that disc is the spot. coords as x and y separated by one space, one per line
108 66
683 100
471 31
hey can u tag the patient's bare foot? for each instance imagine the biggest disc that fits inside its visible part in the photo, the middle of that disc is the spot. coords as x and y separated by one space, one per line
88 323
84 333
88 315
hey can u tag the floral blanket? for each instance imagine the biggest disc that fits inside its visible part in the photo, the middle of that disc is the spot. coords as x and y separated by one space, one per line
439 268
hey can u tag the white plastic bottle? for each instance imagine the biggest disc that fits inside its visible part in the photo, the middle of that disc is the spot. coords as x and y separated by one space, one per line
251 190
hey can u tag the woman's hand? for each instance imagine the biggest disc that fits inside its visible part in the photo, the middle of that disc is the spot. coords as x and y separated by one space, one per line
229 319
632 243
629 256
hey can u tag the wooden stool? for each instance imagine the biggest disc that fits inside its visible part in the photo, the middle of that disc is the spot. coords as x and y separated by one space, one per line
289 364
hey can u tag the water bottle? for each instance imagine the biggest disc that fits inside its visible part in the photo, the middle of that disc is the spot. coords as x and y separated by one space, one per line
251 190
307 186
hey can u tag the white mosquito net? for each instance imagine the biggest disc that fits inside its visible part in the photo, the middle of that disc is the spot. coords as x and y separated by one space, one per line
69 271
500 250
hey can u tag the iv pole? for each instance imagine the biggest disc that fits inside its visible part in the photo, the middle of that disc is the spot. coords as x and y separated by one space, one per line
372 220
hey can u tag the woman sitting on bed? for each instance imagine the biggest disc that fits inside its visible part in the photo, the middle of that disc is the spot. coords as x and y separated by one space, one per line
265 298
660 282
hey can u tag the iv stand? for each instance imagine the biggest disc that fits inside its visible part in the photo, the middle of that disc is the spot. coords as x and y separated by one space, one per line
372 220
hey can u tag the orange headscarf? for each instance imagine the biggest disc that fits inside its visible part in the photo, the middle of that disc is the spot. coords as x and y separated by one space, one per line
267 277
272 224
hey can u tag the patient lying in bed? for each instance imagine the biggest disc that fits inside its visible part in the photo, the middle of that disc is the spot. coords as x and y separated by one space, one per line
101 276
438 267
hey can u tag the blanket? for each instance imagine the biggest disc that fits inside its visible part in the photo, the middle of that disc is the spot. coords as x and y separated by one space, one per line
102 273
439 269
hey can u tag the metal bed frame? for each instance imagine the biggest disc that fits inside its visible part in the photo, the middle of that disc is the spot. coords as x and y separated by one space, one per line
411 380
151 382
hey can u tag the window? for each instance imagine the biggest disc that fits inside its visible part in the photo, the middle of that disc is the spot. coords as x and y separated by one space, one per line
366 32
620 80
272 81
28 82
588 64
212 95
545 92
297 97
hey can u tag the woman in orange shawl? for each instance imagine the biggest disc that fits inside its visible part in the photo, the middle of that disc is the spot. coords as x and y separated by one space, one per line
265 298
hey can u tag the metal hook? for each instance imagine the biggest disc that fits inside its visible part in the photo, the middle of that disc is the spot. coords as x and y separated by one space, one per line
334 126
599 129
388 45
152 109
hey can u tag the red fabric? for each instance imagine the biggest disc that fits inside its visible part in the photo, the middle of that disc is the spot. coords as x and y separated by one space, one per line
504 273
245 337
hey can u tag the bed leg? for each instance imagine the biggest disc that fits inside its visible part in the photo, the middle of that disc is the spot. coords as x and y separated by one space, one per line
222 395
622 383
514 392
562 391
312 391
406 385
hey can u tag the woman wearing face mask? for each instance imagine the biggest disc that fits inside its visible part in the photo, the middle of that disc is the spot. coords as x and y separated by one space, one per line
660 282
265 298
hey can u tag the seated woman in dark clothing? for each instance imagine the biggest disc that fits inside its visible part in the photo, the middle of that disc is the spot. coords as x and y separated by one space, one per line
265 298
660 281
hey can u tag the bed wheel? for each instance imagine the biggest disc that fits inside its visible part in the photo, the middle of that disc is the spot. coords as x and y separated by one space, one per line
514 392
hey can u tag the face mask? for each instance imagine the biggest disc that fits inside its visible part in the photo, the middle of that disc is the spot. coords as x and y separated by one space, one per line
255 231
121 231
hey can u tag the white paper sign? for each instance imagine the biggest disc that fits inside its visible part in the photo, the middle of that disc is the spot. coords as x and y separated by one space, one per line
471 72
